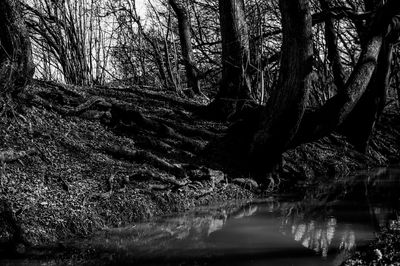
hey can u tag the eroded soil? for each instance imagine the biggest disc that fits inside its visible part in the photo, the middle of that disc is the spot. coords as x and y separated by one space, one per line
109 156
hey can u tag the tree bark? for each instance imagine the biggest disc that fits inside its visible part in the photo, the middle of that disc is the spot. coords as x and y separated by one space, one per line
257 142
335 111
333 51
281 118
16 65
359 125
332 114
185 38
235 86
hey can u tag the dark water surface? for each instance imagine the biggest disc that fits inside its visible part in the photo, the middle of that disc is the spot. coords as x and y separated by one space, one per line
258 234
321 228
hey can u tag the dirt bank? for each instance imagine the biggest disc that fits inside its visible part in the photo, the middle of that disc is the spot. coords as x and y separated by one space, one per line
82 159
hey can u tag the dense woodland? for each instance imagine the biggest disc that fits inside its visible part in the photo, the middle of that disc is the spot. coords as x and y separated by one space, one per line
278 73
314 66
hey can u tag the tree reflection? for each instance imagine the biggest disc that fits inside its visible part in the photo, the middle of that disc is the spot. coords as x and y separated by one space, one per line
330 220
328 216
317 234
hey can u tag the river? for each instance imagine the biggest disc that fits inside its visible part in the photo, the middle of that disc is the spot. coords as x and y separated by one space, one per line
320 227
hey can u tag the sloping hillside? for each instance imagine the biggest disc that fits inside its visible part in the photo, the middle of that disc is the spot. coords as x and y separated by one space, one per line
78 159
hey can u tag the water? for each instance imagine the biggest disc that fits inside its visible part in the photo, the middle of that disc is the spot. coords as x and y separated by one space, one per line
321 228
261 233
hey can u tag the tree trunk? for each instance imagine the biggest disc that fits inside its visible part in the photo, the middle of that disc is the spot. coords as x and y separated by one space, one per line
185 37
282 124
336 110
235 86
332 114
333 51
16 65
281 118
359 125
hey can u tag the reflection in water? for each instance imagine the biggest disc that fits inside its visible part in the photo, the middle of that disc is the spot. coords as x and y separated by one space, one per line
373 202
317 239
246 211
320 230
318 236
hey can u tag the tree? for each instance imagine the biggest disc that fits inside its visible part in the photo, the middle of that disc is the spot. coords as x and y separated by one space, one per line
185 37
283 123
382 28
332 46
281 118
359 125
235 86
72 40
16 65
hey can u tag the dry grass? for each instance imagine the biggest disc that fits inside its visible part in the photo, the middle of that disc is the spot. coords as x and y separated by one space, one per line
72 187
64 190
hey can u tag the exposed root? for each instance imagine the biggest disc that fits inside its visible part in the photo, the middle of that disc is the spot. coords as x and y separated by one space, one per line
70 111
86 106
58 87
145 157
125 117
190 131
154 144
11 155
145 175
128 118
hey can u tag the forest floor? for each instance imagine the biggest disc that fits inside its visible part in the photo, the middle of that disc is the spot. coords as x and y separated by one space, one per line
80 159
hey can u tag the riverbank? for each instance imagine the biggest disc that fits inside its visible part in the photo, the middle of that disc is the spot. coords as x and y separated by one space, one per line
72 168
383 251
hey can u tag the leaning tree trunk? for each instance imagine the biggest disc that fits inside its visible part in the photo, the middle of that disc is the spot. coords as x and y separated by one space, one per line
359 125
16 65
255 143
282 124
185 37
281 118
333 113
337 109
235 86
